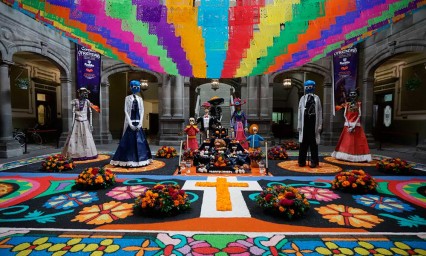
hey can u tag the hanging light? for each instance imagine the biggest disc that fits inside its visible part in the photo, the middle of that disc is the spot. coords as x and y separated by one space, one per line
144 84
215 84
287 83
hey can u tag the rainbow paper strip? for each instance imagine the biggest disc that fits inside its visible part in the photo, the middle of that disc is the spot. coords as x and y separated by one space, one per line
211 38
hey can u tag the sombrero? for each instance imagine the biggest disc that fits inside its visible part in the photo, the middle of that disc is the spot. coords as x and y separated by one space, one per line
82 89
238 102
215 100
206 105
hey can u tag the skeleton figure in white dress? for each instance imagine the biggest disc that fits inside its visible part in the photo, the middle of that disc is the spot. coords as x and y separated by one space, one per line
80 144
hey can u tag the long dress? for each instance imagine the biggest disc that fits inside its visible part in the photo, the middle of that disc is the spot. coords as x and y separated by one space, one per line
191 132
352 146
80 144
239 122
133 149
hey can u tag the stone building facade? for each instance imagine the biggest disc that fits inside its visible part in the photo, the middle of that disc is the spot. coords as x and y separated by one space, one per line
49 59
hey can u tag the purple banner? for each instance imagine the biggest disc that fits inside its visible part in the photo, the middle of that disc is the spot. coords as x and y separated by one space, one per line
345 66
89 72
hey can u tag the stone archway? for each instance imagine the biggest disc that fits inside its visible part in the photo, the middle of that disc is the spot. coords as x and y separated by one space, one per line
114 78
388 53
36 74
314 71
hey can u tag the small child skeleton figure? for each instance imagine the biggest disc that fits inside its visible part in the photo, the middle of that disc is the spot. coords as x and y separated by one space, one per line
191 131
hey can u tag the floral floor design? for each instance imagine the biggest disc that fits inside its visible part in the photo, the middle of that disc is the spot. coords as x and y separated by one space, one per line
43 214
91 243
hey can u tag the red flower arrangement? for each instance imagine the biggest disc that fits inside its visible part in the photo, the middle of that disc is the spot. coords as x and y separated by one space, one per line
57 163
256 155
166 152
277 153
95 178
285 201
291 145
188 154
394 166
163 199
354 181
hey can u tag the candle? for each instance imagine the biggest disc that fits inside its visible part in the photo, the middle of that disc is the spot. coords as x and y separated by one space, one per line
266 149
180 151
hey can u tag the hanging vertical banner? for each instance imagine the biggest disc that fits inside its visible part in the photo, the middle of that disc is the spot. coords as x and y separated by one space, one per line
89 73
345 66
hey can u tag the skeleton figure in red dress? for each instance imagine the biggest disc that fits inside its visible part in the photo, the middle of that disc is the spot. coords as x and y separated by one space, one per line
191 131
352 145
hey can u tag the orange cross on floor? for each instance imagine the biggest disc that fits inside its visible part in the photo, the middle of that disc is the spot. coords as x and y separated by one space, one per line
223 198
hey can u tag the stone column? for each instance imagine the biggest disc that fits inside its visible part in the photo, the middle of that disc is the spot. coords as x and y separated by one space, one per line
367 94
171 119
67 95
105 134
178 97
332 125
265 109
186 99
167 97
252 98
8 146
264 92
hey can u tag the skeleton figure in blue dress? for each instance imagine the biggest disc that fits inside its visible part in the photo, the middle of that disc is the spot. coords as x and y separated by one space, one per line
133 150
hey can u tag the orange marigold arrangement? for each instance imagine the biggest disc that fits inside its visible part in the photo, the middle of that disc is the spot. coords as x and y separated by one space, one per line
290 145
162 199
57 163
285 201
394 165
354 181
277 153
95 178
166 152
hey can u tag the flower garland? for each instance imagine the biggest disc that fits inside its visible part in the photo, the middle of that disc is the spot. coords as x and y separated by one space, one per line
285 201
95 178
394 166
57 163
166 152
277 153
354 181
291 145
162 199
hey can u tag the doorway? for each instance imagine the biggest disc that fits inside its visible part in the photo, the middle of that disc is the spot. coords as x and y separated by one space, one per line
383 114
45 103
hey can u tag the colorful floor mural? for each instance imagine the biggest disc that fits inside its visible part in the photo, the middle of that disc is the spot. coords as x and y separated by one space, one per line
44 213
